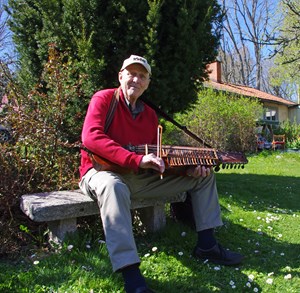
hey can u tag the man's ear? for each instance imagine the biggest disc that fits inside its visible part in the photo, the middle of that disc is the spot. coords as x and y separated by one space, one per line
120 76
148 83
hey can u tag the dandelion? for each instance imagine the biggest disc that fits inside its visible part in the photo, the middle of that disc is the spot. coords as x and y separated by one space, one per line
250 278
255 289
269 281
248 284
87 268
288 277
154 248
180 253
70 247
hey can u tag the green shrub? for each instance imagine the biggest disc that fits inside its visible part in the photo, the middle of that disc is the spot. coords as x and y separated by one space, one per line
224 122
292 133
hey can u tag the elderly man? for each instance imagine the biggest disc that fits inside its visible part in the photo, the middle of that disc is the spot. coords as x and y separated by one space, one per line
105 133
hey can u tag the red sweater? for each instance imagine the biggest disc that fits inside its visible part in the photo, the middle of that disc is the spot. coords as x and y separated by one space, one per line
123 130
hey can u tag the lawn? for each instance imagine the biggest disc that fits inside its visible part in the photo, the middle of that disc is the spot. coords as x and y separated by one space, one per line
261 213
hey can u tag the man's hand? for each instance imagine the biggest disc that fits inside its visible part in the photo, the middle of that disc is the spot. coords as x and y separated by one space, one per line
199 171
153 162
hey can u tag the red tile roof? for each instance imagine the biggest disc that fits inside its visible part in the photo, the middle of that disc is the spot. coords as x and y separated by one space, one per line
214 70
248 91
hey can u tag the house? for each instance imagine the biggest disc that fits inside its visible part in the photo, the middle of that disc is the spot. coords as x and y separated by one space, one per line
277 109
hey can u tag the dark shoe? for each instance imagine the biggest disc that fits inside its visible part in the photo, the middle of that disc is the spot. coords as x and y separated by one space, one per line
143 290
218 255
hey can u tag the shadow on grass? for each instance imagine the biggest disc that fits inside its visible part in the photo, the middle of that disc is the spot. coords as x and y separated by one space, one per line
263 190
76 270
166 270
265 256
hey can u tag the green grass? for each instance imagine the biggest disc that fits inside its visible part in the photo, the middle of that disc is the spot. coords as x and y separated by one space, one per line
261 213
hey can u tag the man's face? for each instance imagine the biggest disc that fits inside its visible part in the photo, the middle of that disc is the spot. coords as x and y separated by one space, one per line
134 80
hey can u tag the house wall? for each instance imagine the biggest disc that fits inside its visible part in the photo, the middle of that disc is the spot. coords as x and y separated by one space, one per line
294 114
283 111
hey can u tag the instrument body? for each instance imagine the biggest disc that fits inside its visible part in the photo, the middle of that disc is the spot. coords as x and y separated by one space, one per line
178 158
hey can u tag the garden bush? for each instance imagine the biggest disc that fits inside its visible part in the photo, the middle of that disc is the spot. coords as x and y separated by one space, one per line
44 153
292 133
222 121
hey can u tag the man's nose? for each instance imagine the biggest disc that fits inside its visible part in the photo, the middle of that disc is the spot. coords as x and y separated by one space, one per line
136 78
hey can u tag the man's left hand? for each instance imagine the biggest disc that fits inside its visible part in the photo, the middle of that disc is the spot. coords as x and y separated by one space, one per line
199 171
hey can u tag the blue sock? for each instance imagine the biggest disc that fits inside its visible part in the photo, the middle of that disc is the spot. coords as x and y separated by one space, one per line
133 278
206 239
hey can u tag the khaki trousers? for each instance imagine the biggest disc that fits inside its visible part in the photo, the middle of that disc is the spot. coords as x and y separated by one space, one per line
113 193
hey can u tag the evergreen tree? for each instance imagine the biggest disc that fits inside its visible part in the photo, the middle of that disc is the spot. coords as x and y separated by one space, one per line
178 37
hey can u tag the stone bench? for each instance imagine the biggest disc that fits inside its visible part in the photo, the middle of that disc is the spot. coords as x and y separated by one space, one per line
60 209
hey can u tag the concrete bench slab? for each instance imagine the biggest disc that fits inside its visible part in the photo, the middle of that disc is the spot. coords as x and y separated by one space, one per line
60 209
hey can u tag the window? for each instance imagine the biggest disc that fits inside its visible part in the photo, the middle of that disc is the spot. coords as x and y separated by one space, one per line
271 114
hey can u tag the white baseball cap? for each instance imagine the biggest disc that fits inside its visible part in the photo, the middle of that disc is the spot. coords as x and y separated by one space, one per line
136 59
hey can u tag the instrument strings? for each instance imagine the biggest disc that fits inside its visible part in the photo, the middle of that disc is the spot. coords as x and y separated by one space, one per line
180 156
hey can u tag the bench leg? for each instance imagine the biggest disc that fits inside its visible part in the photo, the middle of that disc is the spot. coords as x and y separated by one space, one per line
153 218
59 229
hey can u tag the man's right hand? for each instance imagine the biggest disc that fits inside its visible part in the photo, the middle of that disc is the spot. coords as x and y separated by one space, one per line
151 161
